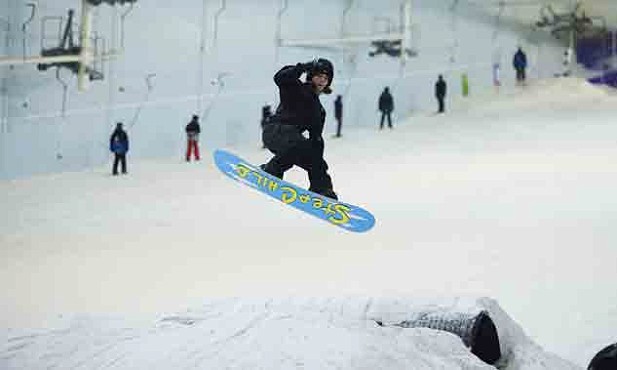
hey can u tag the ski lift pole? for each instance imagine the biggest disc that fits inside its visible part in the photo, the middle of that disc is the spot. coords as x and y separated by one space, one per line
497 24
348 6
352 65
496 57
62 113
343 31
406 9
221 85
85 54
149 87
24 28
349 58
202 55
122 19
64 91
454 30
4 85
277 35
217 15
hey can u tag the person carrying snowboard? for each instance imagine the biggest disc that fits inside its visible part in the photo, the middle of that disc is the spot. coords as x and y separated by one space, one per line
300 111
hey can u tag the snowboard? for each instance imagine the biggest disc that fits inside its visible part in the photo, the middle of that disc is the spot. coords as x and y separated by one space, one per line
343 215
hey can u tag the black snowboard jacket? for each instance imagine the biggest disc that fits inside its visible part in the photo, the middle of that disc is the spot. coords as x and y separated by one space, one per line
386 103
440 88
299 109
193 127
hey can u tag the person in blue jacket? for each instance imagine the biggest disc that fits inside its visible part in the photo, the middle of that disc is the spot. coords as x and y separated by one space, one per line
520 64
300 111
119 145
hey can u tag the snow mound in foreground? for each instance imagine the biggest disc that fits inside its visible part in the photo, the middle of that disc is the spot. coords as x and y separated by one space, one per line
317 333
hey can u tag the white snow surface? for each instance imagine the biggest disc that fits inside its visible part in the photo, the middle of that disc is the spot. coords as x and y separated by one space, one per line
505 203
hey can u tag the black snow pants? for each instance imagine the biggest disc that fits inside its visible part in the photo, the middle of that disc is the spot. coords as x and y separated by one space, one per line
119 158
291 148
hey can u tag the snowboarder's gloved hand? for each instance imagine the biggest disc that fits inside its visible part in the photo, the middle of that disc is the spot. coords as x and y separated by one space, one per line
308 66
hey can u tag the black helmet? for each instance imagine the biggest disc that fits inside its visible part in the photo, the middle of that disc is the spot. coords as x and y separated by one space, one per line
324 66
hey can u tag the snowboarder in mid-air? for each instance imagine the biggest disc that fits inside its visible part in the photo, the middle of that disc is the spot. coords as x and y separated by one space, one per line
300 111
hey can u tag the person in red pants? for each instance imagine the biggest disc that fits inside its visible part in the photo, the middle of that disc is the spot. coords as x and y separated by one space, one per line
192 135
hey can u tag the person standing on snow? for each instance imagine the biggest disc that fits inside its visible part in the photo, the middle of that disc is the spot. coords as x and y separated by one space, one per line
192 138
386 106
440 93
119 145
338 114
300 111
520 64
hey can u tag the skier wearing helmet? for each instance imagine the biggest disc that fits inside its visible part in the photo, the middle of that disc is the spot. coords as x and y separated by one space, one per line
300 111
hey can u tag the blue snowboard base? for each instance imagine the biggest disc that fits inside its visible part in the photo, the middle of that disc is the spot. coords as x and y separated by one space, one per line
344 215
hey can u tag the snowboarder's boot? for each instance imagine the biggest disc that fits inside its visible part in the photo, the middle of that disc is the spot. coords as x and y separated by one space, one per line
327 192
272 171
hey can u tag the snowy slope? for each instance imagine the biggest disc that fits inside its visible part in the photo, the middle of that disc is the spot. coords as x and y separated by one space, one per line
514 202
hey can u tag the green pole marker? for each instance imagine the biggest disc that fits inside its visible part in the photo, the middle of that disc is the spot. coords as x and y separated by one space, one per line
465 84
